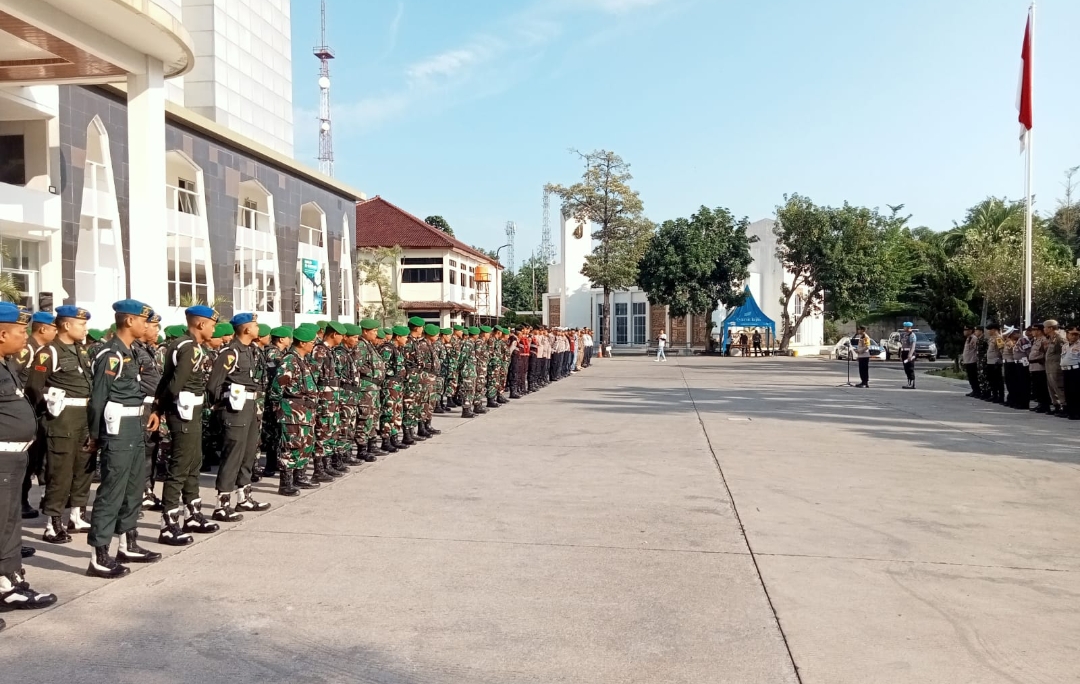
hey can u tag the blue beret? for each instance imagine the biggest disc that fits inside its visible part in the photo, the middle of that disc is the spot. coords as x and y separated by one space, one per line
43 317
907 324
154 317
69 311
202 311
9 313
132 307
242 318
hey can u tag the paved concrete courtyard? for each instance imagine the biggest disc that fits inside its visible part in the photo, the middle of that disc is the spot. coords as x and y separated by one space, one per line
702 520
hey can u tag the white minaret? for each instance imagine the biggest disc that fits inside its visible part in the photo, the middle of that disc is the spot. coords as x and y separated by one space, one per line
326 138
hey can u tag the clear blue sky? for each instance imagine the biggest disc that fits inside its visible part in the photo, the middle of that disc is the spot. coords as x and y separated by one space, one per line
468 112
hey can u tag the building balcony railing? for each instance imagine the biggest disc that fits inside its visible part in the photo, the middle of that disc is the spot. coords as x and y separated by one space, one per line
183 200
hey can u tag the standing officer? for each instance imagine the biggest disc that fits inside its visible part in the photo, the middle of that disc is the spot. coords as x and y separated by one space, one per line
969 359
42 332
453 367
521 364
429 377
371 368
413 381
441 354
296 397
1070 369
862 351
482 354
467 372
233 389
280 341
907 354
58 384
116 423
1055 342
995 357
347 435
180 396
326 421
393 397
1037 368
145 352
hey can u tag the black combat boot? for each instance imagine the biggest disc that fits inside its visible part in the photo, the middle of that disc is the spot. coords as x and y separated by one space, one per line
55 532
196 521
466 412
337 462
361 448
388 445
171 534
247 504
501 399
320 475
302 481
105 566
131 552
28 511
78 520
408 439
271 467
224 511
479 409
491 403
439 407
331 469
150 502
285 484
397 441
370 457
374 445
432 431
422 432
16 594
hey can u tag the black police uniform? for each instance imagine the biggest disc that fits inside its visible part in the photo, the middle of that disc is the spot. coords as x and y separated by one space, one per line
20 364
235 367
117 388
149 377
17 429
67 463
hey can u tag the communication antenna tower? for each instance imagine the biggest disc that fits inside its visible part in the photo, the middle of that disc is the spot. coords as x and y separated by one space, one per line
511 231
326 138
547 249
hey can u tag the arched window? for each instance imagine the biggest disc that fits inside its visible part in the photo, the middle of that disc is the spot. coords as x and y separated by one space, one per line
255 269
347 305
187 233
100 275
312 266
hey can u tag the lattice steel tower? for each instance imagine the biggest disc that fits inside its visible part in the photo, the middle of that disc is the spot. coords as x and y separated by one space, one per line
326 137
511 232
547 247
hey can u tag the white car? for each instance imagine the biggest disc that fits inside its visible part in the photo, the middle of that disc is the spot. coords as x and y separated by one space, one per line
844 349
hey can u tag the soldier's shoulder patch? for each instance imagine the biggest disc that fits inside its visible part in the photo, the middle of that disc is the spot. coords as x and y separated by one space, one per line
113 363
230 360
43 357
24 353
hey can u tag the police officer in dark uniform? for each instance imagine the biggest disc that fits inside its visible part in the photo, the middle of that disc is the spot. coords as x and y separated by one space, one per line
180 396
234 388
17 430
116 424
58 386
42 332
145 352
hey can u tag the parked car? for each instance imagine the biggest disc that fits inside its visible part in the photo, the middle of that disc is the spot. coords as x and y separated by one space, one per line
925 346
844 349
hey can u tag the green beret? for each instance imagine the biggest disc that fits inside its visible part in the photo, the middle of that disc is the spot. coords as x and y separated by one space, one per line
416 322
223 329
369 324
447 331
322 324
281 331
387 331
310 326
485 328
431 329
302 334
112 328
380 335
264 330
351 330
400 330
95 334
474 330
458 326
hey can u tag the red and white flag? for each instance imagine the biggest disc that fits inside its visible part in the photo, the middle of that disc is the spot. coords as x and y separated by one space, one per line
1023 94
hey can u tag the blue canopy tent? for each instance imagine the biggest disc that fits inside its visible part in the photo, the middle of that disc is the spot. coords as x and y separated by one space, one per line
749 315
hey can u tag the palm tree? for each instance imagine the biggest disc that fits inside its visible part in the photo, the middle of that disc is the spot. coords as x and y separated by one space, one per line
8 290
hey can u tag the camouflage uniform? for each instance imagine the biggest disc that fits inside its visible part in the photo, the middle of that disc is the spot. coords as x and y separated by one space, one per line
467 371
326 421
413 383
393 390
483 362
294 396
371 367
429 370
442 355
494 368
259 374
348 401
452 368
271 430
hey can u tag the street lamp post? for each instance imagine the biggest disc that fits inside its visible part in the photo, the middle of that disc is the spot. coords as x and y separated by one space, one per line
498 290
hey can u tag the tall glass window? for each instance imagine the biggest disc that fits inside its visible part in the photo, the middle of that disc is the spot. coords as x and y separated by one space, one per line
639 322
621 323
187 270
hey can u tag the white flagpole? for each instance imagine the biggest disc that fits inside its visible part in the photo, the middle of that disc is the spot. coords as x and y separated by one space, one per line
1027 216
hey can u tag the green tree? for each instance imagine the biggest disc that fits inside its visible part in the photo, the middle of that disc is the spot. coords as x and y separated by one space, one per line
604 199
842 254
440 223
523 290
375 268
695 265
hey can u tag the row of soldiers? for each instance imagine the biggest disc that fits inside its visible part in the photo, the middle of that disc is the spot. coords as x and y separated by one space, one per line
1019 367
328 396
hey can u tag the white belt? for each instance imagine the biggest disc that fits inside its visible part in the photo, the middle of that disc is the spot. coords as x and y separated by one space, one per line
130 411
198 400
14 447
1070 367
148 400
250 394
68 401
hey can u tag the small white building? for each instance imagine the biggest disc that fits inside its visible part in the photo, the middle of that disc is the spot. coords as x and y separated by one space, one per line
634 323
438 278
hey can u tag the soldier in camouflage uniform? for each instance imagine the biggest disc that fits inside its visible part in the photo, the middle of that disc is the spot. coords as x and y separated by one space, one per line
280 342
429 373
494 368
212 434
326 418
258 348
413 382
467 372
483 363
504 365
453 368
393 390
371 369
294 397
349 405
442 351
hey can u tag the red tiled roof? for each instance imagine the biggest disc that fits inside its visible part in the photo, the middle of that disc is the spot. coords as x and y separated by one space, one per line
382 224
436 306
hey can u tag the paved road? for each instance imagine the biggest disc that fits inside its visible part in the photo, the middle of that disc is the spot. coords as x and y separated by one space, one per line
704 520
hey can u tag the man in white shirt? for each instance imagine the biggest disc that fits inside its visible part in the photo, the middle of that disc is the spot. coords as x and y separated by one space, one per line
661 342
588 348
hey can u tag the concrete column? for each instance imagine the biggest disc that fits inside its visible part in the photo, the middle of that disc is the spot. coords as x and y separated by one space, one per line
148 275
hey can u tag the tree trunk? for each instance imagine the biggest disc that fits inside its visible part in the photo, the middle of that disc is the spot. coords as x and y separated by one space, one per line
604 327
984 311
